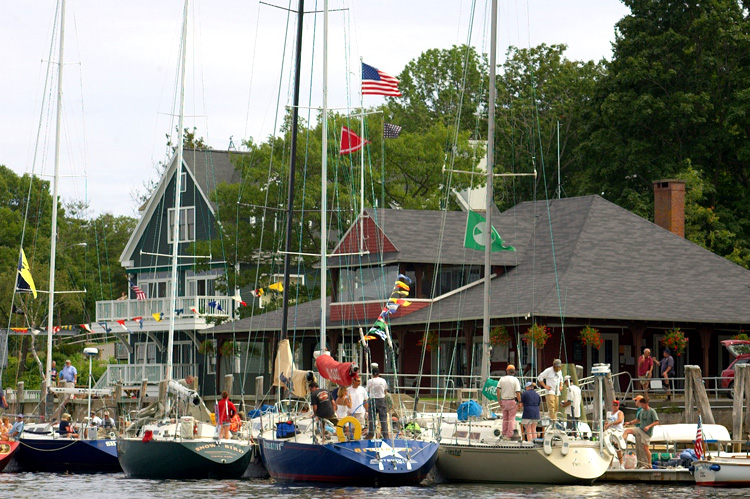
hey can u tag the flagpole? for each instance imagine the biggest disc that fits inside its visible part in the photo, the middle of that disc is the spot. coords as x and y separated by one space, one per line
362 162
324 187
53 242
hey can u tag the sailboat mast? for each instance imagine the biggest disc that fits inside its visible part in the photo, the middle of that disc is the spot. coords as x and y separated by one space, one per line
485 369
53 243
292 165
178 189
324 188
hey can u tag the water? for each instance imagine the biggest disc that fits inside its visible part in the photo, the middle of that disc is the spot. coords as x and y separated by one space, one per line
117 486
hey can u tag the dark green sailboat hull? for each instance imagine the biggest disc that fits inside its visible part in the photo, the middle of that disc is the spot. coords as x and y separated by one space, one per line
164 459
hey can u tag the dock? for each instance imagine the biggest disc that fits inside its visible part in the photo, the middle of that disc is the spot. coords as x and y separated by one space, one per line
667 475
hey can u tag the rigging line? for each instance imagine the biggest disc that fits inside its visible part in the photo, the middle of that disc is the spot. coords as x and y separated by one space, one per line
252 71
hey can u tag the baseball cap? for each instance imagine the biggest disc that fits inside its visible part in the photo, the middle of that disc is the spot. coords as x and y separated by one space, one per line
638 397
510 367
615 402
567 378
557 363
20 416
529 383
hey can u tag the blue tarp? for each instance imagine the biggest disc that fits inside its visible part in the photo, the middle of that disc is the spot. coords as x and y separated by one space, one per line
469 409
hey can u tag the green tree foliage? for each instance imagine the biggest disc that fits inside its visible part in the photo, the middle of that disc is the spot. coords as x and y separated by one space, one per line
438 85
675 98
537 89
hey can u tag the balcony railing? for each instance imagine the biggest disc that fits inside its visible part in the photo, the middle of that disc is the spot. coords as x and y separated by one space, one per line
112 310
134 374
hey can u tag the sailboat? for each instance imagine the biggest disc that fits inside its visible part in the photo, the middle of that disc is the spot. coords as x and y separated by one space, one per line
473 452
156 445
305 454
42 448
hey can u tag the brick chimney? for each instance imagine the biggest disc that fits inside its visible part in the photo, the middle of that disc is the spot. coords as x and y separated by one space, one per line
669 205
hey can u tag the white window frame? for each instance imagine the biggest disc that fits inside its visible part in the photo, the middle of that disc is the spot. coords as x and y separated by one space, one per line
187 224
183 182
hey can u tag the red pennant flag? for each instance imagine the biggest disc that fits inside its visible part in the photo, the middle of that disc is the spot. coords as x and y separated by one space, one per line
86 327
350 141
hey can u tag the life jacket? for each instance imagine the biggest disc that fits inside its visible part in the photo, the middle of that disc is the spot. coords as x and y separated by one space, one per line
234 423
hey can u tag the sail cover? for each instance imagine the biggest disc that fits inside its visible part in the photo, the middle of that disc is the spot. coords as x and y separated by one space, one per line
340 373
285 373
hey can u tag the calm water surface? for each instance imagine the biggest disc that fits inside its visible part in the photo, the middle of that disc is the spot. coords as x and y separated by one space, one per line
116 486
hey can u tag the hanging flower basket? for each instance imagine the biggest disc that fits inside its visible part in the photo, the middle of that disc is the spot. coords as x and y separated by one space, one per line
431 341
230 348
741 336
676 341
499 336
537 335
590 336
208 347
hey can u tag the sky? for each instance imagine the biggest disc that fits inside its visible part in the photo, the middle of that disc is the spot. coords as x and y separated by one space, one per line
121 59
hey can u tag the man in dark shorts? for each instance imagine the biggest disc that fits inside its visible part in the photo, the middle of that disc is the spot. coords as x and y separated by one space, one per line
322 404
667 371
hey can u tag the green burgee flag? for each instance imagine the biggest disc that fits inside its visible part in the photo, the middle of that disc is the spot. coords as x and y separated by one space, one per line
475 231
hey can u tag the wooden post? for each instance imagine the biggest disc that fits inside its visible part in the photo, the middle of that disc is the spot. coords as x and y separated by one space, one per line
118 398
740 375
163 390
258 390
689 377
746 426
695 390
142 393
19 397
609 390
228 381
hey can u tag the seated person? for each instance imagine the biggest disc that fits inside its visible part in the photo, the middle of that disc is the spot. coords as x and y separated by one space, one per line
108 422
5 427
17 429
66 429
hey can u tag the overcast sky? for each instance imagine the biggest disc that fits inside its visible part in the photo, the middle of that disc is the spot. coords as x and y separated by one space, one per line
121 62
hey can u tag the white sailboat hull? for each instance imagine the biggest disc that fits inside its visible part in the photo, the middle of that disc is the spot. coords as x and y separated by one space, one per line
723 472
522 462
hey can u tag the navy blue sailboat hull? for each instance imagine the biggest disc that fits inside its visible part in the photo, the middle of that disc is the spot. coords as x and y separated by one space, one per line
63 455
363 462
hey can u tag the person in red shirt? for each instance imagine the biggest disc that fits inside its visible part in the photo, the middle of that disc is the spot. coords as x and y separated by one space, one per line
225 410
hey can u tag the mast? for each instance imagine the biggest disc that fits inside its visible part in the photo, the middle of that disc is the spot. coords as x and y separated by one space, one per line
485 369
324 187
292 165
53 238
178 189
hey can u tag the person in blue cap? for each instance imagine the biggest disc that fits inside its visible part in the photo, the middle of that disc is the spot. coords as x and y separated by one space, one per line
17 429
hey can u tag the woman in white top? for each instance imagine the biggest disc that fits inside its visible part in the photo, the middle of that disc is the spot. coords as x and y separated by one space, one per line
343 403
616 421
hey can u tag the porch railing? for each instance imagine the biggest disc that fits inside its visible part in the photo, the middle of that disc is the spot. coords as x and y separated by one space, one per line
134 374
218 306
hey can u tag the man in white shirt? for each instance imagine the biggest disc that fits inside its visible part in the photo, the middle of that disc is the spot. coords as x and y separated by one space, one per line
358 395
509 395
573 405
377 388
551 380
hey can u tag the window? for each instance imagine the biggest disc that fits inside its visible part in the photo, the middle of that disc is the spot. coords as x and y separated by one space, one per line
454 276
156 284
367 283
183 182
187 224
203 283
145 353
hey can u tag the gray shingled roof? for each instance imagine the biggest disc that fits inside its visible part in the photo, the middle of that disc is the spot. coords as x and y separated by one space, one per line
610 265
210 168
417 236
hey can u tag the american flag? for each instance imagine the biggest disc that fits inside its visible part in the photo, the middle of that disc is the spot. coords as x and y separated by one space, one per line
376 82
699 452
139 293
391 131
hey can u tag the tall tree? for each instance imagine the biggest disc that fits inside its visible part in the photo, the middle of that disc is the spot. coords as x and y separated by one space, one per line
675 97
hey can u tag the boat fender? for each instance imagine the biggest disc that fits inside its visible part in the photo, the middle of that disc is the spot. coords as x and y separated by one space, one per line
714 467
565 447
608 443
355 424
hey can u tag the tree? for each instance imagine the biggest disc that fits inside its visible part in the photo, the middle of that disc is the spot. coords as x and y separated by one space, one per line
446 86
675 97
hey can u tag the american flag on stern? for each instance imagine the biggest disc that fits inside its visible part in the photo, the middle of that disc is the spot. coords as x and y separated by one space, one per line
139 293
699 452
376 82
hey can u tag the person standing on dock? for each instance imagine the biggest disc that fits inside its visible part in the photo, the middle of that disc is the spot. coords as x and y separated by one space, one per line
69 375
645 422
509 396
616 421
645 369
667 370
551 380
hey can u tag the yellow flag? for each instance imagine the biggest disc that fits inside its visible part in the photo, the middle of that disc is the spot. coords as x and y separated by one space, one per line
158 316
25 281
277 286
